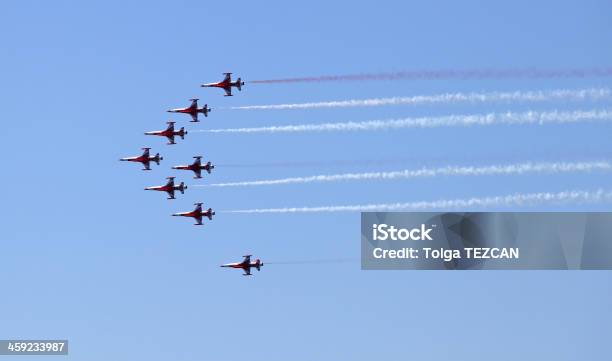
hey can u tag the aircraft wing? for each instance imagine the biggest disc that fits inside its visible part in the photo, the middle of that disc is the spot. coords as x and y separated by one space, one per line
194 117
228 91
247 259
198 220
247 272
147 164
228 77
198 172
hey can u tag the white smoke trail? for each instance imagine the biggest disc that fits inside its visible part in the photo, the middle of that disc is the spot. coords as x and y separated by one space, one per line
518 169
449 98
315 261
518 199
510 118
532 73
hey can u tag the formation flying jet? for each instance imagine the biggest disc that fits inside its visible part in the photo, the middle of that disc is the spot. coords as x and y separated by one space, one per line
145 159
197 214
226 84
169 188
245 265
193 110
196 167
169 132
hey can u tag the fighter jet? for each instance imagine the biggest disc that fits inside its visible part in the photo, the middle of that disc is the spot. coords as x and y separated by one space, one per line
169 188
226 84
245 265
197 214
193 110
196 167
169 133
145 159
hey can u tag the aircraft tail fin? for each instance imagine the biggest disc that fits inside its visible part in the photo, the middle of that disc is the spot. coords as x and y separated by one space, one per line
157 158
182 187
239 84
210 213
182 133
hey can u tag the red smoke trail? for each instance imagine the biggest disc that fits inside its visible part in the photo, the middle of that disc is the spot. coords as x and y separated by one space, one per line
532 73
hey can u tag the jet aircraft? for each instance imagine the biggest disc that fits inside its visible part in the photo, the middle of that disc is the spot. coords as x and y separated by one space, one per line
197 214
169 188
169 133
145 159
226 84
245 265
196 167
193 110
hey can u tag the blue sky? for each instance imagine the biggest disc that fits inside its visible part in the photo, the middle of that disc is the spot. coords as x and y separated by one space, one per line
89 256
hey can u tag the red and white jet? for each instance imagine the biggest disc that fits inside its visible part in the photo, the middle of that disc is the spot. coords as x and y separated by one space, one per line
226 84
193 110
169 132
145 159
169 188
196 167
245 265
197 214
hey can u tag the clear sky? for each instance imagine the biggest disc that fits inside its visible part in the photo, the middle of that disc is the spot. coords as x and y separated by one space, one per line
88 255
